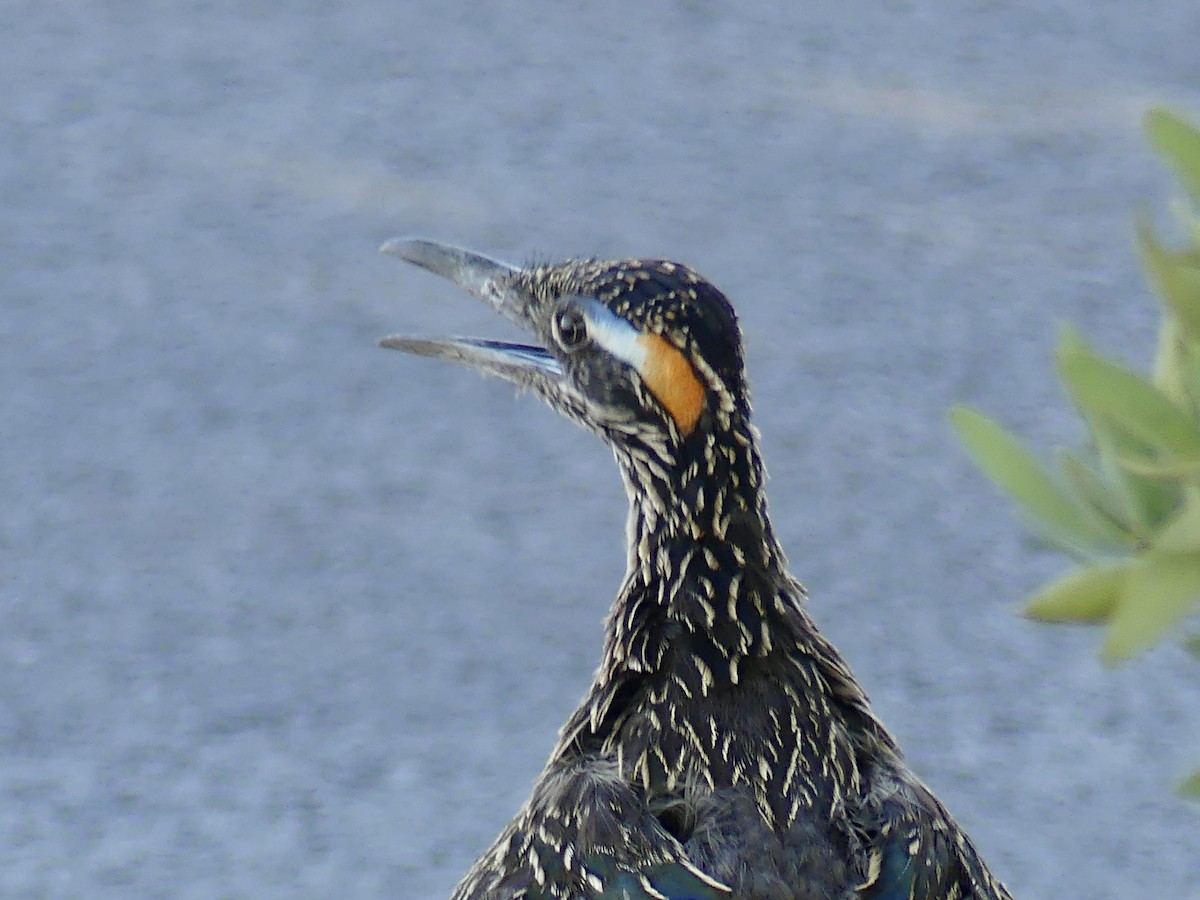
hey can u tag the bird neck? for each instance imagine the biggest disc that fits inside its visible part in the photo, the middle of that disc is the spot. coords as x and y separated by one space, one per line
709 617
709 629
698 519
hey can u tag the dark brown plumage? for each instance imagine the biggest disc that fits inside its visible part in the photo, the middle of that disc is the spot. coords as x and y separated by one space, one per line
724 748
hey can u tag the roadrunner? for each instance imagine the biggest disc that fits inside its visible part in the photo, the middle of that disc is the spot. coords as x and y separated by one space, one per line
724 749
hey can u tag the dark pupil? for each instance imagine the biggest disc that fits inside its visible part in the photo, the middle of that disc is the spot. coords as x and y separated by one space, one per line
571 329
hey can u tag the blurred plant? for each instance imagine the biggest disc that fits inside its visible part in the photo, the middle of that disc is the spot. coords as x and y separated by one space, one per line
1128 508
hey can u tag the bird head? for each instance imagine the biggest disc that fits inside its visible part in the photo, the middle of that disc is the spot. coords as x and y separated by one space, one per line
644 352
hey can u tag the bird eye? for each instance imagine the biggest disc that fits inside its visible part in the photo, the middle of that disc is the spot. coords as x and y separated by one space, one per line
570 328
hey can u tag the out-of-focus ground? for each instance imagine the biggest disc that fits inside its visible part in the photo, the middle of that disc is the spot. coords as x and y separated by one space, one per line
282 614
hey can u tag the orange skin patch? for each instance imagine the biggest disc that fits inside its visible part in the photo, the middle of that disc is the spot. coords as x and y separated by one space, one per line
673 381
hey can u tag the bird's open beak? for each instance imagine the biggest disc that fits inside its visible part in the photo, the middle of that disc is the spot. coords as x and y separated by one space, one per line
495 283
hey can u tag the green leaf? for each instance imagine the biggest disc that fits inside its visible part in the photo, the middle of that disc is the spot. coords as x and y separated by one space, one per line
1190 786
1182 533
1098 496
1189 365
1170 364
1153 468
1104 389
1175 278
1085 596
1148 501
1161 589
1151 500
1006 462
1178 143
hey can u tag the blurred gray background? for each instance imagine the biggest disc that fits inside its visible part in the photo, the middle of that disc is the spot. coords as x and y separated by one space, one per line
285 615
